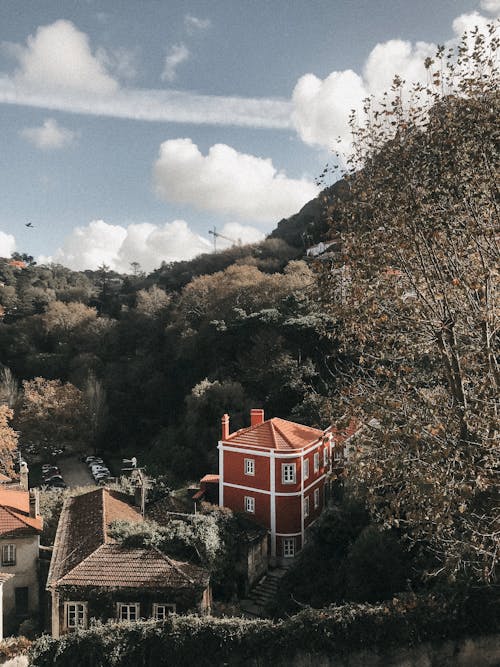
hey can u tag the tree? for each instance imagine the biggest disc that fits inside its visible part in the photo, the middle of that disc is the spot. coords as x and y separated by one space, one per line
9 388
152 302
8 439
97 408
415 294
52 414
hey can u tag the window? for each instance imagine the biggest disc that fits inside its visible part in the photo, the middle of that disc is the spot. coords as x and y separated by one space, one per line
9 554
316 498
128 611
289 547
316 461
325 457
337 454
249 467
306 507
162 609
306 468
250 504
75 614
288 473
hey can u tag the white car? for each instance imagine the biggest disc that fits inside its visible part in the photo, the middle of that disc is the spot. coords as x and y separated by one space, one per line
100 471
92 460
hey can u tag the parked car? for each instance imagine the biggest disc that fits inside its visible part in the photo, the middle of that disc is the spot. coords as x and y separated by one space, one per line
57 483
100 473
49 478
98 466
89 460
47 468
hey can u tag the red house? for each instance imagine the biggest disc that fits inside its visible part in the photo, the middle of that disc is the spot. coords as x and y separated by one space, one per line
275 471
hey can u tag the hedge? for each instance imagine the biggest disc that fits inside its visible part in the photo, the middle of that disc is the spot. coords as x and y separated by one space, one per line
208 641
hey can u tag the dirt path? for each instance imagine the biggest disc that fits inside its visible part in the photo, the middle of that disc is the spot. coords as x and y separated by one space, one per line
75 472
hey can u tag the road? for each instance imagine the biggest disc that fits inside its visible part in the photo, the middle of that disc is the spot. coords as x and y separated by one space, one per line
75 472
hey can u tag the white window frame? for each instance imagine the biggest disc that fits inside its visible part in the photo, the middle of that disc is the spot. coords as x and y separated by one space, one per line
325 457
337 454
162 609
288 547
316 498
306 507
250 467
306 468
79 611
250 504
316 462
9 554
127 606
288 473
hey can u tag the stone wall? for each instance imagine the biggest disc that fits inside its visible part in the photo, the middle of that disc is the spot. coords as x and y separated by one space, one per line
475 652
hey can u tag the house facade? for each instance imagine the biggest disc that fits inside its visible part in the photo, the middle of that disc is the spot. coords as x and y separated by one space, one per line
20 528
93 576
275 472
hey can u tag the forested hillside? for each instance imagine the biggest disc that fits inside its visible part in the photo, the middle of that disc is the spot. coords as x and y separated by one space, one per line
152 361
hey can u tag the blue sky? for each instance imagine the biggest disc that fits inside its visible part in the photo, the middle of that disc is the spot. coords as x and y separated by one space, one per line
128 129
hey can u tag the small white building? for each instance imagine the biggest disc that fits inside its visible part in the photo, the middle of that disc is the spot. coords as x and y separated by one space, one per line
20 528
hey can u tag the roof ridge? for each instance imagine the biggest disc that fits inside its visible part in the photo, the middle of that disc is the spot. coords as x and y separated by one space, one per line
104 524
173 564
273 434
81 561
20 516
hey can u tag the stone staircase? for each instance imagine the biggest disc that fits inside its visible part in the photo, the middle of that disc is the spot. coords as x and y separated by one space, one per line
254 606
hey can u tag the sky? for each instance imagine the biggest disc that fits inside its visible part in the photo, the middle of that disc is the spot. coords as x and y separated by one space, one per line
129 129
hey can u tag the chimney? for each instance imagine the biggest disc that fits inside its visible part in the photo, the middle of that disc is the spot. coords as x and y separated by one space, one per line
256 416
225 427
23 476
34 503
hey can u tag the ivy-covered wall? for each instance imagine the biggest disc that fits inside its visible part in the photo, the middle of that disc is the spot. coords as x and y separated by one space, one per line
313 634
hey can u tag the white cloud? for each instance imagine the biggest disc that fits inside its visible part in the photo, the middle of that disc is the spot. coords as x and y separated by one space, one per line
117 246
177 54
7 244
322 106
491 6
229 182
58 57
122 62
238 233
49 136
194 24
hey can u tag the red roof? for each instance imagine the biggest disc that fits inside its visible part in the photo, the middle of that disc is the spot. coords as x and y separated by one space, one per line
275 433
210 478
86 555
15 513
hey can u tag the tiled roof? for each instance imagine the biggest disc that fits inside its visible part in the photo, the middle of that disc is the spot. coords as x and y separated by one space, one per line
85 555
4 478
16 500
275 433
112 565
83 526
14 514
210 478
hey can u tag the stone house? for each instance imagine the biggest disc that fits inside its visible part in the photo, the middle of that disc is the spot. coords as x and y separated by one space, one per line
20 528
93 576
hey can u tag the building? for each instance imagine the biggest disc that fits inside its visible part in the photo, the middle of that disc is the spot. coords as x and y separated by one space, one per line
275 472
20 528
93 576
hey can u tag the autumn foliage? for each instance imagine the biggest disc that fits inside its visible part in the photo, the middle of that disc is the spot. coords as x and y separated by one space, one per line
415 293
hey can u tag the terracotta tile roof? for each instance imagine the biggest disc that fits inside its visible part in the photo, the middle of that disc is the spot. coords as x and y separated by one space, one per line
112 565
14 514
210 478
85 555
276 433
15 499
4 478
83 526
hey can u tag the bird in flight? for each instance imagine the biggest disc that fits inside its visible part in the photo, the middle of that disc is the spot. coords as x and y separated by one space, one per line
29 224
